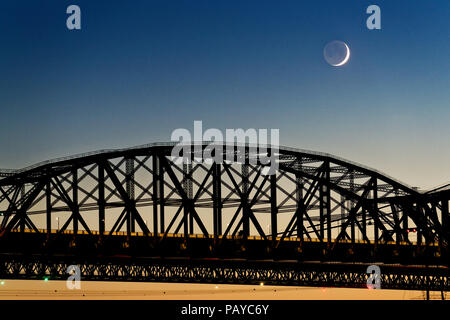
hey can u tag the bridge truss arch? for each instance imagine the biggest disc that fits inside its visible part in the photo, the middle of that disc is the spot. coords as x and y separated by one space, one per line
315 207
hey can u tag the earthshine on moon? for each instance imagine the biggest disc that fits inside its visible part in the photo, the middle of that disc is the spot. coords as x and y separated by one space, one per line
336 53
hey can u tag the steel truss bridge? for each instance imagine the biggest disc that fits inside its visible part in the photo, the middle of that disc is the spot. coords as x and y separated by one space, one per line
137 215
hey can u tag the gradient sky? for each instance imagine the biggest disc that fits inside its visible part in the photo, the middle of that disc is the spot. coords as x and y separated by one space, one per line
140 69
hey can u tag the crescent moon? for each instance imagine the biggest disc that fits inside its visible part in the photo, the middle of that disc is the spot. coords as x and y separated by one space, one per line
346 57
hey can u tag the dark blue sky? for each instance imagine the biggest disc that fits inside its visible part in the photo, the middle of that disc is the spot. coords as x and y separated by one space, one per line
139 69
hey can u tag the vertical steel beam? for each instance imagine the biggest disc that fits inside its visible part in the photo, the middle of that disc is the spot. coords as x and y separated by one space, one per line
101 199
323 197
376 220
364 223
351 206
21 213
75 200
419 230
186 209
322 190
129 178
405 216
187 187
343 211
190 196
273 207
161 195
299 200
246 214
328 203
396 211
48 204
398 233
156 192
217 200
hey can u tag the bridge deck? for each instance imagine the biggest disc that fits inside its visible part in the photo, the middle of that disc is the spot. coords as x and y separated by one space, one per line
229 237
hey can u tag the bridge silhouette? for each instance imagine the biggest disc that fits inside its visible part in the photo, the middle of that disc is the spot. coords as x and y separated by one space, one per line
136 215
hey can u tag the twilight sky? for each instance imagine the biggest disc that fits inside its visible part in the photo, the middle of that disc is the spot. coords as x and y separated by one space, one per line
138 70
